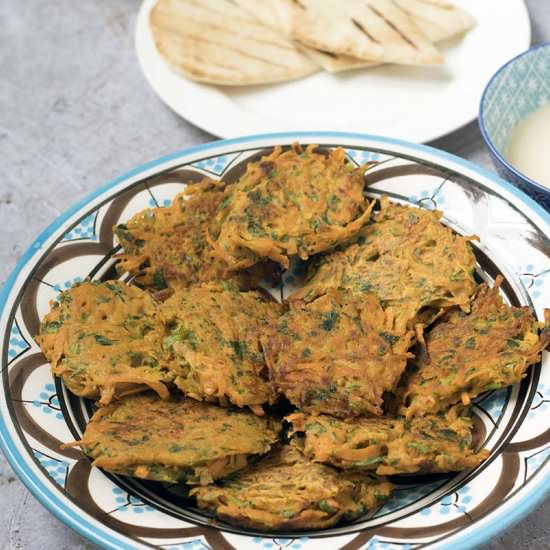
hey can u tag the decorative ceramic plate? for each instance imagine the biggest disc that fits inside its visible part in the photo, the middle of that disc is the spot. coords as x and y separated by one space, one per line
414 103
444 511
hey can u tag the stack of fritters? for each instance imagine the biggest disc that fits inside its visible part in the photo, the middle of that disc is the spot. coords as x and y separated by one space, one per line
378 356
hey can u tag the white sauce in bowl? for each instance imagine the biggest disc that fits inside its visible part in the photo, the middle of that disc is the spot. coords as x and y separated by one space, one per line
529 146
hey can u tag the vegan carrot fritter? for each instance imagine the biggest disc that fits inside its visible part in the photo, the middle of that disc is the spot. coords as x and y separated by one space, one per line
214 344
285 491
336 354
433 444
296 202
104 340
177 440
467 354
408 258
168 246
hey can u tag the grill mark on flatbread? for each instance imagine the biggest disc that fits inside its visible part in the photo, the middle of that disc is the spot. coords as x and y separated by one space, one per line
393 26
364 31
275 14
326 52
372 31
259 40
324 57
195 19
206 40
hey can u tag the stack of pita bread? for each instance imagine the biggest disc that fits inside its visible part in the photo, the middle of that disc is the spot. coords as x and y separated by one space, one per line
239 42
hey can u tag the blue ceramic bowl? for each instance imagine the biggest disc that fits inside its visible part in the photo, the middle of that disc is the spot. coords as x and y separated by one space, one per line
514 92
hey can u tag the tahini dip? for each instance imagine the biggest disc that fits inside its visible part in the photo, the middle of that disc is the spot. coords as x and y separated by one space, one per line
529 146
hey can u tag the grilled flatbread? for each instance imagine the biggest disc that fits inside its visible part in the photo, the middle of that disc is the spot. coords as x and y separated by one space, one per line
286 11
375 31
437 19
278 14
217 42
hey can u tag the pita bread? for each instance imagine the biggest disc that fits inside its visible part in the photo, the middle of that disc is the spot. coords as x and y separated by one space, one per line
437 19
332 62
372 30
217 42
277 15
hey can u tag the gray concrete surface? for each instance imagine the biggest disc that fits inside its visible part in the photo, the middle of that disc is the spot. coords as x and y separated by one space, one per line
74 112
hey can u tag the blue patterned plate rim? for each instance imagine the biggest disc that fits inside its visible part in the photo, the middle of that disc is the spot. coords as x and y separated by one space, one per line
533 492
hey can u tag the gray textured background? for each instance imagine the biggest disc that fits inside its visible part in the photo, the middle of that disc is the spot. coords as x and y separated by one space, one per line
75 112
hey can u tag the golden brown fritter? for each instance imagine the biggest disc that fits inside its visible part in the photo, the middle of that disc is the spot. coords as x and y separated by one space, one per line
168 246
336 354
185 440
465 355
104 340
412 262
286 491
288 203
214 339
434 444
